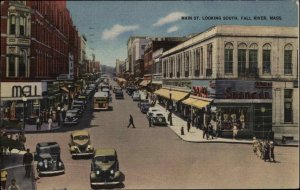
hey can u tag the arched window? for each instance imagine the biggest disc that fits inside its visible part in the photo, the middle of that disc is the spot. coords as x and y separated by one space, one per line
267 59
12 24
22 25
288 63
253 61
22 64
228 58
242 59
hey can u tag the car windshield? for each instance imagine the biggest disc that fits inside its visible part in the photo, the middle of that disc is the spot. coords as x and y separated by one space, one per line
104 158
80 137
70 114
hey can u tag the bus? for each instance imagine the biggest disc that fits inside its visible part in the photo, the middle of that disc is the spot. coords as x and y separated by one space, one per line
101 101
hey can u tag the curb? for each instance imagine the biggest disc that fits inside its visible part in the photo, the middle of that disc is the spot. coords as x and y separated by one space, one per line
42 131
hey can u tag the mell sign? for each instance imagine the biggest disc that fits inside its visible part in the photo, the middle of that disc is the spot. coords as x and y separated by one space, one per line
20 89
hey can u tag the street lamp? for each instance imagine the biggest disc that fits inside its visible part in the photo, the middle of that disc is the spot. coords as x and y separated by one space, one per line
69 96
263 109
24 99
170 106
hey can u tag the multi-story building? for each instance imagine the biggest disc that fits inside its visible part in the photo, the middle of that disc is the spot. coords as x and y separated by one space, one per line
38 43
249 74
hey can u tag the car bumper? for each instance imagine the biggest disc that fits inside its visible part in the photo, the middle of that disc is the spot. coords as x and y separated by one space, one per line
82 153
106 183
70 122
51 172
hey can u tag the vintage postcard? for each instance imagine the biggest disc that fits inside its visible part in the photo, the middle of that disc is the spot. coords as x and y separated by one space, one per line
149 94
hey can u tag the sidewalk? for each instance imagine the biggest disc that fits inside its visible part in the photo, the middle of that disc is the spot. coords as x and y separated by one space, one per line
196 135
14 165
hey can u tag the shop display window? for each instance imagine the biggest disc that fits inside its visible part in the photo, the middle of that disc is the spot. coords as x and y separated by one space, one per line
233 116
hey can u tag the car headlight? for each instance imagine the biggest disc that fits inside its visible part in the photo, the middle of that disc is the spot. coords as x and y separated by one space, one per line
40 164
59 164
97 172
112 171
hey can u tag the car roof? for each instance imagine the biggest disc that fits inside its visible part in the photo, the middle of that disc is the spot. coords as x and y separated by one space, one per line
79 133
105 152
48 144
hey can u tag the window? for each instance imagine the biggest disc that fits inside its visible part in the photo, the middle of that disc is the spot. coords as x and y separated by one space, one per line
228 58
209 56
22 64
253 59
186 63
197 61
22 25
288 49
12 25
288 111
267 59
242 59
201 60
11 66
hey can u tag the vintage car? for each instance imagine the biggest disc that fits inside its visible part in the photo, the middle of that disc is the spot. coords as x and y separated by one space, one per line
158 119
105 168
71 117
80 144
116 88
119 94
144 107
47 155
151 111
141 102
136 96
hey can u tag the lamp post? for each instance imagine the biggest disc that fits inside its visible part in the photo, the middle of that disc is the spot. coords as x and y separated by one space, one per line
170 107
24 99
263 109
69 96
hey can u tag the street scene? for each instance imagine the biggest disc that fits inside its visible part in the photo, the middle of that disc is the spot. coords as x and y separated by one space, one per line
179 100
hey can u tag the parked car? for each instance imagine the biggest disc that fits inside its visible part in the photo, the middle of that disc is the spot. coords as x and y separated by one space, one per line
71 117
115 88
47 155
80 103
142 101
78 108
119 94
158 119
151 111
136 96
144 107
80 144
105 168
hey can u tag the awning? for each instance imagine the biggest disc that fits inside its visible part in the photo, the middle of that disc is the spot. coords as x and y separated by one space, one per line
64 89
196 102
176 95
145 82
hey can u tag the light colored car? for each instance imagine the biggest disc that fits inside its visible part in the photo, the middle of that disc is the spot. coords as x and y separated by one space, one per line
80 144
151 112
105 168
136 96
158 118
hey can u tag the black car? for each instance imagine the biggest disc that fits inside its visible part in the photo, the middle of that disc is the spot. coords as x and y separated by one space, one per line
47 155
144 107
119 94
72 117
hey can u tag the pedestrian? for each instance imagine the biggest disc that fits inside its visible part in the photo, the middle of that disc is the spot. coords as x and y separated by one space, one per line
38 123
50 121
131 122
205 132
266 150
271 146
4 175
170 118
255 146
63 111
188 124
27 161
210 131
150 122
13 185
234 131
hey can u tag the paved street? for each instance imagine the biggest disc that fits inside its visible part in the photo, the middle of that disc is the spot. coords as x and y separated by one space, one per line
156 157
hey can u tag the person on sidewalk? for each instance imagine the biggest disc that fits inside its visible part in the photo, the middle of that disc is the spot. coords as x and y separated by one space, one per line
27 161
271 147
150 122
50 121
188 125
13 185
205 132
4 175
38 123
131 122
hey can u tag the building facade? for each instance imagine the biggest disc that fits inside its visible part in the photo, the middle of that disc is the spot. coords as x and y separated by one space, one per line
253 76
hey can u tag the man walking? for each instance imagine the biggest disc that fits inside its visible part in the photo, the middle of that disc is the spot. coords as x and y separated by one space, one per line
27 161
50 123
271 147
150 122
131 122
38 123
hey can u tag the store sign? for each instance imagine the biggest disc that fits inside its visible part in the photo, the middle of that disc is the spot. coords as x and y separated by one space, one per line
20 89
27 91
231 94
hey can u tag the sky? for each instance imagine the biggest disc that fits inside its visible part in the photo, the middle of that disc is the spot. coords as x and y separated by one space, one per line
107 25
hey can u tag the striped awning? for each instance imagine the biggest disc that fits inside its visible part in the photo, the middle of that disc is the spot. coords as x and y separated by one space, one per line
197 102
175 95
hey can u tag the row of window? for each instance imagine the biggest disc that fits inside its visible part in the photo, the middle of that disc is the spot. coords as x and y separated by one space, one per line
17 69
242 54
17 25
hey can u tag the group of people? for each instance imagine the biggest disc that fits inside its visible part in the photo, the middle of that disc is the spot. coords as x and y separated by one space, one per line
264 149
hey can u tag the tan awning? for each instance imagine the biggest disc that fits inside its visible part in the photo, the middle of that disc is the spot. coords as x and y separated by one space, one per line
175 95
145 82
196 102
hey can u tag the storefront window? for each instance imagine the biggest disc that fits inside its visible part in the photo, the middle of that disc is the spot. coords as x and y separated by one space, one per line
228 117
